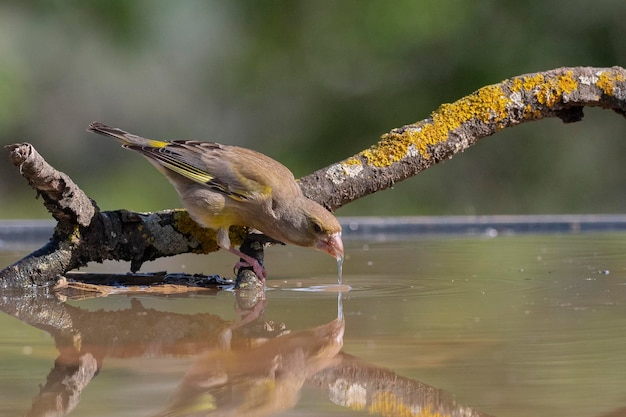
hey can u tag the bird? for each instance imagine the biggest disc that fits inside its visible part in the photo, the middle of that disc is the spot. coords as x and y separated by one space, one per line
224 185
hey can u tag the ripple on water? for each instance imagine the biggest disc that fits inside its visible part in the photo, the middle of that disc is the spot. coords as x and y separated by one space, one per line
334 288
400 286
309 284
366 285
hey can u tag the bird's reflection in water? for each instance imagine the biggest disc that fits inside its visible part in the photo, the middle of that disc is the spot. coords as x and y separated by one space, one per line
248 367
261 378
251 367
258 380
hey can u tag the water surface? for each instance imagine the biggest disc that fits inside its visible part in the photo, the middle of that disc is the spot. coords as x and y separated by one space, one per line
511 325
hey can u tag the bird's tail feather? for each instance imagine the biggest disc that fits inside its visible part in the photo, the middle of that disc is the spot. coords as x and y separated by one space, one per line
124 137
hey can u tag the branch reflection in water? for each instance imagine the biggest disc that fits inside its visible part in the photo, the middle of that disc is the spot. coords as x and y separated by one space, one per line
250 367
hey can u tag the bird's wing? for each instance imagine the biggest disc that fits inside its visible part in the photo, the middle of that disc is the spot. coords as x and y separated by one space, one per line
239 173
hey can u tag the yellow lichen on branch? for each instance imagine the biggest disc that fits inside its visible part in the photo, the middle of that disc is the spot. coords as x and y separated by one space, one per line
206 237
607 79
489 104
495 107
547 91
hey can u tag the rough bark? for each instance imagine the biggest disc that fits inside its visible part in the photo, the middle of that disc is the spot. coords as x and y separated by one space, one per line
85 234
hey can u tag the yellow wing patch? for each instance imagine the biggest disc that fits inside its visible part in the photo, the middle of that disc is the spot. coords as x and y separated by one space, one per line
177 157
157 143
188 171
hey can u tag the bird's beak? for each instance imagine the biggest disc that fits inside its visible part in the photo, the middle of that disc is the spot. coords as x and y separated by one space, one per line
333 245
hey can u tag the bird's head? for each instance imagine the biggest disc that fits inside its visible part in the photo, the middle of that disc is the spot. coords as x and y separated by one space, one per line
311 225
324 230
331 243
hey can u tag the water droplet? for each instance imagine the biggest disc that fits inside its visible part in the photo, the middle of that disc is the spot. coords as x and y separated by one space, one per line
339 269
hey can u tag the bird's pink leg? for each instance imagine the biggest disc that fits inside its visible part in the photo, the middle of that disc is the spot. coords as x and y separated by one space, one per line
249 261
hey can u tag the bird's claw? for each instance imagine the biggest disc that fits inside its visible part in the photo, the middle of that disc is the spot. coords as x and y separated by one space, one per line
256 267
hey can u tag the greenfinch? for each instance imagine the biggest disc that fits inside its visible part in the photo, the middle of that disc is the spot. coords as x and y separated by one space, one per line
223 186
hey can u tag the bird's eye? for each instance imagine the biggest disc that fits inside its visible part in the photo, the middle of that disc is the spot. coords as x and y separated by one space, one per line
317 228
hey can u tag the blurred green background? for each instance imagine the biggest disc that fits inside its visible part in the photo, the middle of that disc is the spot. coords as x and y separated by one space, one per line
308 83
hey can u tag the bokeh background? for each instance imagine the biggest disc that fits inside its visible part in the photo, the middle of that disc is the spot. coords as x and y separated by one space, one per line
308 83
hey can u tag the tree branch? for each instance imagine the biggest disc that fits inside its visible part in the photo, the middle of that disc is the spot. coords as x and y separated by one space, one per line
84 234
452 128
